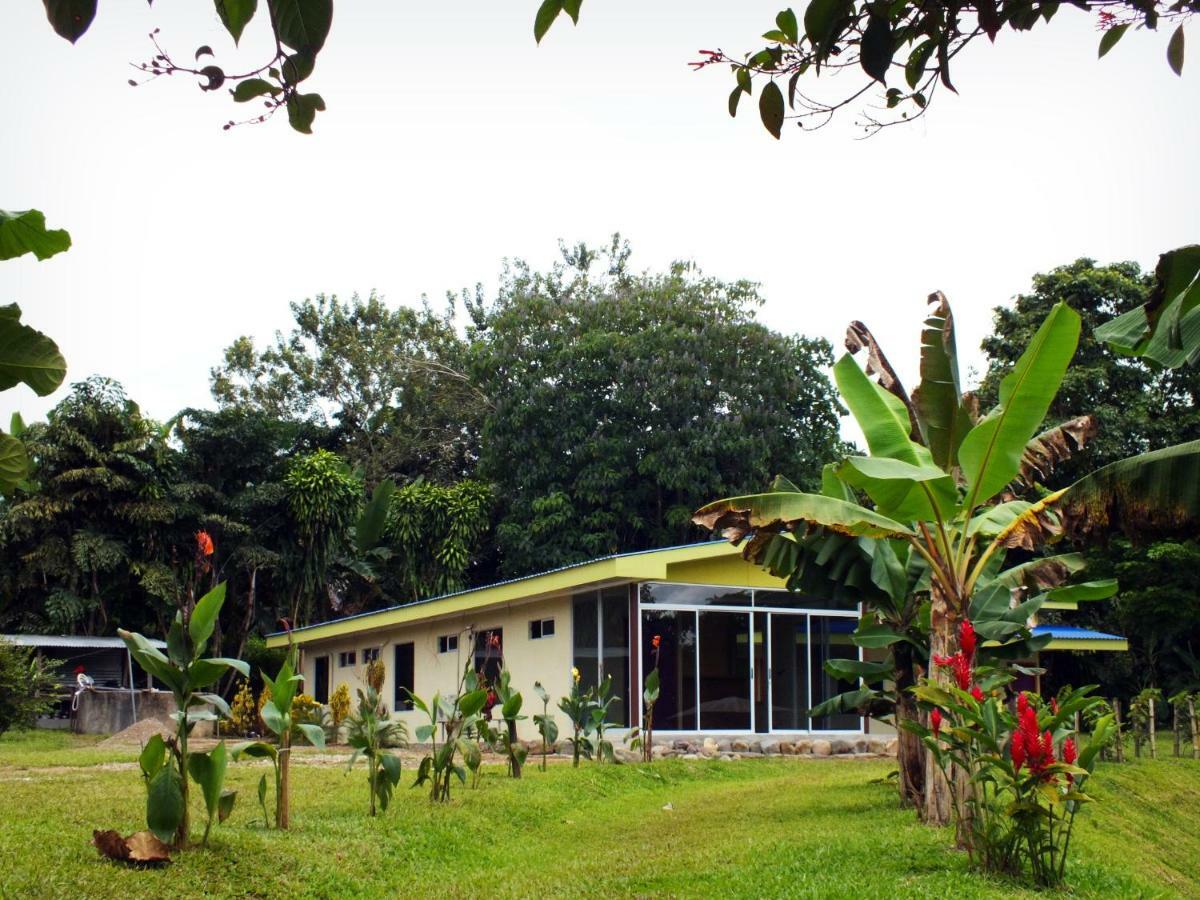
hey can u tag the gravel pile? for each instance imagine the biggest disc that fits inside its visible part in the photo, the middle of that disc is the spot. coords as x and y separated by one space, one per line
136 734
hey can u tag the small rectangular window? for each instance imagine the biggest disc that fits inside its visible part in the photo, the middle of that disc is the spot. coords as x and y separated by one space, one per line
346 659
541 628
448 643
370 654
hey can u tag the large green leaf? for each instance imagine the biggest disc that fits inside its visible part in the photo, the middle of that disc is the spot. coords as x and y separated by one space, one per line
941 414
471 703
204 618
313 733
990 454
901 490
1156 493
373 520
164 804
758 510
882 417
235 15
1038 574
302 24
152 660
25 232
1166 328
27 355
14 462
208 771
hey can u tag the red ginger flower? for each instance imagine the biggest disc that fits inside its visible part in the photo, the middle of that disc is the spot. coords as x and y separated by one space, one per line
1022 705
966 637
1018 750
1070 754
204 543
960 665
935 721
977 693
1030 746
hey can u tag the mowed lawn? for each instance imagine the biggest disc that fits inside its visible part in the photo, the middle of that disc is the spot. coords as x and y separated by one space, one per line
750 828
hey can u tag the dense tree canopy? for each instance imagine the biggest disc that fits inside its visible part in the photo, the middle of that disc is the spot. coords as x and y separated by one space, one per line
1138 407
387 381
622 400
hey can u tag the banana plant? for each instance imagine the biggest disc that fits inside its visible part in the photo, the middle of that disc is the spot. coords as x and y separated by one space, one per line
186 672
960 491
276 714
456 717
547 725
370 731
505 738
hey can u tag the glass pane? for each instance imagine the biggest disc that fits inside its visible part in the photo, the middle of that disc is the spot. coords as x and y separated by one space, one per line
789 672
724 671
695 595
615 607
676 706
831 640
792 600
761 683
587 638
489 654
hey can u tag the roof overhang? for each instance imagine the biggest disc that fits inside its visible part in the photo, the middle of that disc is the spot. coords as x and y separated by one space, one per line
672 563
71 641
1064 637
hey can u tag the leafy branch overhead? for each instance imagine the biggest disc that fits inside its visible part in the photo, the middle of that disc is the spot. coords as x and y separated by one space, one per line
905 49
298 28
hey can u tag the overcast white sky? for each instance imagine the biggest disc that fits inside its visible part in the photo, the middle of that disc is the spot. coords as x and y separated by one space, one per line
451 142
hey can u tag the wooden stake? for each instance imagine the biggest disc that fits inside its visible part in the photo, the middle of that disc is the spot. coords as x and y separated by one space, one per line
1150 726
1175 726
1120 741
1192 722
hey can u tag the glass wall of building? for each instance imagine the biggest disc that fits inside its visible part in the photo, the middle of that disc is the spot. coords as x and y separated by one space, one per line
737 660
600 629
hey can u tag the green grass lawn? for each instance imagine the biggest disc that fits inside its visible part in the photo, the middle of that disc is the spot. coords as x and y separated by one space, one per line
752 828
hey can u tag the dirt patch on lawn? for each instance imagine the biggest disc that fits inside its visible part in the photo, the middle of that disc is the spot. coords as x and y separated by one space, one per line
136 735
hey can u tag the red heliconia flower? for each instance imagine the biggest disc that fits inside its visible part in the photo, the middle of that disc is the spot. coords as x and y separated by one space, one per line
966 637
1022 705
960 665
935 721
1018 750
204 543
1054 705
977 693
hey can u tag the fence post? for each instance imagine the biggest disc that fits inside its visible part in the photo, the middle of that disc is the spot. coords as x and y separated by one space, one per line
1192 722
1150 725
1120 744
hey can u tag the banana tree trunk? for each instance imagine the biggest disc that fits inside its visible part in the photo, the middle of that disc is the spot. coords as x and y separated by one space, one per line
943 641
910 752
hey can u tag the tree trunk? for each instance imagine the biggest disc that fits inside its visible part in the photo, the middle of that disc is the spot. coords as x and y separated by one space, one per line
1192 723
514 763
943 641
910 752
1153 737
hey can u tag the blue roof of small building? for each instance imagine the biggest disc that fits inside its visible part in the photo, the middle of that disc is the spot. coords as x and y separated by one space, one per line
1070 632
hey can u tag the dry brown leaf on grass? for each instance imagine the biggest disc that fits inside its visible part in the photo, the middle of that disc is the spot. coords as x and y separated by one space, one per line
141 847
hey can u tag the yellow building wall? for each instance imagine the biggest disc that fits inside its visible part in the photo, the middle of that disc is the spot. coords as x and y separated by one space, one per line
547 660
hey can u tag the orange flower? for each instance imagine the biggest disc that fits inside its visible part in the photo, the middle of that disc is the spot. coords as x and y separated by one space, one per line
204 543
655 641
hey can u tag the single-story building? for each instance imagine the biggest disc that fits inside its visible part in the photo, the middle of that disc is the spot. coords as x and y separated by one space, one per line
737 652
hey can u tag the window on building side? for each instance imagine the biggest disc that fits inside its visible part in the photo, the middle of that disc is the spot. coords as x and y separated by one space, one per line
370 654
346 659
404 675
541 628
448 643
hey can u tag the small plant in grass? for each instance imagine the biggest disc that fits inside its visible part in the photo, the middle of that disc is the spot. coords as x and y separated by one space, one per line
339 708
276 715
186 671
546 724
369 732
578 710
600 698
457 718
644 740
504 738
1016 781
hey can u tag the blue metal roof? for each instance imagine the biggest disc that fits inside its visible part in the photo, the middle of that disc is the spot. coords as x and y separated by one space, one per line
1071 633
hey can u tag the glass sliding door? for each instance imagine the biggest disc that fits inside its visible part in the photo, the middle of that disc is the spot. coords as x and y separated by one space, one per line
831 640
724 671
762 681
585 627
676 630
789 672
614 659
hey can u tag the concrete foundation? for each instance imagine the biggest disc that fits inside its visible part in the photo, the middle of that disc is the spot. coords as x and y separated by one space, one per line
107 712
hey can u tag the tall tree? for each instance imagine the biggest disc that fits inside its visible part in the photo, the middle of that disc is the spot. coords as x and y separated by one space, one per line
622 400
1138 406
389 382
